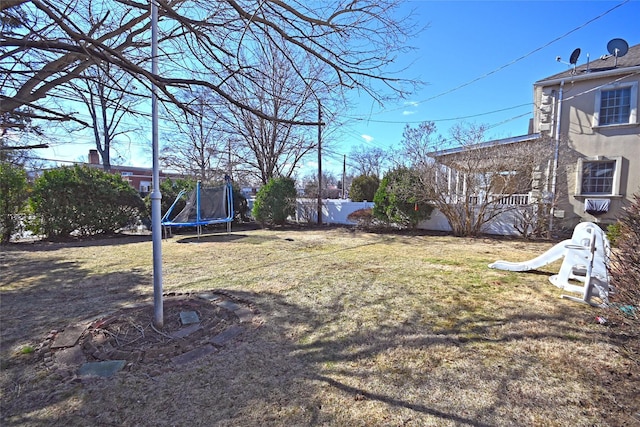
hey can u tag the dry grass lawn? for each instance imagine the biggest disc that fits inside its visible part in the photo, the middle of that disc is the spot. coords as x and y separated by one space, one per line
355 329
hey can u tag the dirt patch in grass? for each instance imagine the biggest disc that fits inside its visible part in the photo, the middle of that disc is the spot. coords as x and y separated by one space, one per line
347 328
194 325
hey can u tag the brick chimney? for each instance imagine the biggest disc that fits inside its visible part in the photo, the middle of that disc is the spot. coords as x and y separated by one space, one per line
94 158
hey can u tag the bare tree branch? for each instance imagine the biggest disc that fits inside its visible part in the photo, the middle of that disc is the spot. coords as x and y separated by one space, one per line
471 184
200 44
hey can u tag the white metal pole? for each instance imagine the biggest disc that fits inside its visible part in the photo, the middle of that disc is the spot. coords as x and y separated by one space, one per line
319 163
156 196
229 172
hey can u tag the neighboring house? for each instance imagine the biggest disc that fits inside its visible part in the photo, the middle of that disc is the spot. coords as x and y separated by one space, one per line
586 120
592 112
140 178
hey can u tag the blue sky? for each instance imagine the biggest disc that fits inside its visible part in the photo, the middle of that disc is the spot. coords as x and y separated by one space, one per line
496 50
476 57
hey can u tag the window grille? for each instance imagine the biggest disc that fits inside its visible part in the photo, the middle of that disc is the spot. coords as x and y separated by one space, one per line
615 106
597 177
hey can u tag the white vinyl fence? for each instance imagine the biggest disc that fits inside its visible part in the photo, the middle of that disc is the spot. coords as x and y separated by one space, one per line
335 211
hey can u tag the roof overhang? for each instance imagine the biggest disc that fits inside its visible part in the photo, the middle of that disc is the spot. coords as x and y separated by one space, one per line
487 144
591 75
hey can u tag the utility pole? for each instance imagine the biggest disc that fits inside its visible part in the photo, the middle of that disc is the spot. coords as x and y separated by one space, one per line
344 175
319 163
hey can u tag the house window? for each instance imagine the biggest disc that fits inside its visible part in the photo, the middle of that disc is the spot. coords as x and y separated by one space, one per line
599 176
616 105
145 186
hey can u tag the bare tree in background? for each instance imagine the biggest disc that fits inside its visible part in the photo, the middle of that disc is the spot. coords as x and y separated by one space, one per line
330 186
271 148
52 42
110 96
198 147
475 182
418 143
15 130
368 160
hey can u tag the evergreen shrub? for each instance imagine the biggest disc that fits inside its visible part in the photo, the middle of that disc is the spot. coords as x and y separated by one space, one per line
13 197
397 200
84 201
275 201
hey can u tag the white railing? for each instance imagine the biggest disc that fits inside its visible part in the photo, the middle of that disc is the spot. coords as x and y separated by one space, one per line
501 199
510 199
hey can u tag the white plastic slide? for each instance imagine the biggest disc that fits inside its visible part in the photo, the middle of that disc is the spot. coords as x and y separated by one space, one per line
553 254
584 267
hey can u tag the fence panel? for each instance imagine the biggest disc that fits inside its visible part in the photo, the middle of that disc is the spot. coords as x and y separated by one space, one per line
334 211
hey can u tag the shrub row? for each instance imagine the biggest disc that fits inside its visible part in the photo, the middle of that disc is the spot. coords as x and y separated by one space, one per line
83 200
65 201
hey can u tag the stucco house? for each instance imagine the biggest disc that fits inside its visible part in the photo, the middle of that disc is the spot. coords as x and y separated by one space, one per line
591 111
586 121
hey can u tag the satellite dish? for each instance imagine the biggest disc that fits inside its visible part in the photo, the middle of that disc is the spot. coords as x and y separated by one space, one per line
618 47
574 56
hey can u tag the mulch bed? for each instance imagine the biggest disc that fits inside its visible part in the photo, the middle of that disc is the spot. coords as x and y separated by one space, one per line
191 322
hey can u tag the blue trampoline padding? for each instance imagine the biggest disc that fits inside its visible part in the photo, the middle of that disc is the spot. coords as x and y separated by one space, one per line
217 203
194 224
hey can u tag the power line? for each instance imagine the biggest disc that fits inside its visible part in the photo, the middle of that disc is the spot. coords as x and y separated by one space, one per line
446 119
528 54
601 86
502 67
508 120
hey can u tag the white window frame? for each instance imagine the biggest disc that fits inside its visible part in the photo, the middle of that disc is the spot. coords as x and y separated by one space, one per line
145 186
615 185
633 110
